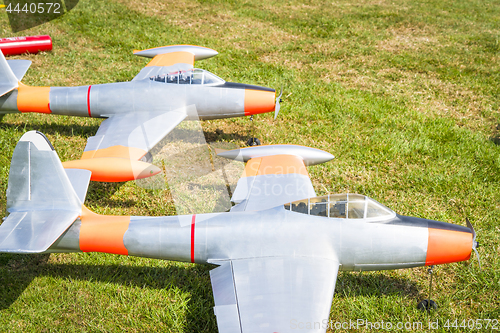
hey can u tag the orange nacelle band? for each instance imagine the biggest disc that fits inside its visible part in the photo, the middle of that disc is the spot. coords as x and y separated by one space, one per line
130 153
275 165
33 99
447 246
258 101
170 59
112 169
101 233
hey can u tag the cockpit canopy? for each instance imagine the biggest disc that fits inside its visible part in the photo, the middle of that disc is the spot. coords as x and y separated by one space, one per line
192 76
343 206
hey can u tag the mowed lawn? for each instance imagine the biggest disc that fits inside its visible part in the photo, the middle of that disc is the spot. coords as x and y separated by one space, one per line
405 94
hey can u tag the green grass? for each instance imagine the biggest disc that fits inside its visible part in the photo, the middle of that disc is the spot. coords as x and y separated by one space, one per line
405 95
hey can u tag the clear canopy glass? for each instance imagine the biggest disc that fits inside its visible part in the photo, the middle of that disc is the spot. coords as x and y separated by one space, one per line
192 76
346 206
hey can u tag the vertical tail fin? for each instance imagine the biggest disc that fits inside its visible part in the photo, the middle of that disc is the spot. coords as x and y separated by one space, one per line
8 80
41 198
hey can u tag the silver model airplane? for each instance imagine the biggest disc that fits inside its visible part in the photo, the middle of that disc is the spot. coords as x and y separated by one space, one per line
140 112
278 253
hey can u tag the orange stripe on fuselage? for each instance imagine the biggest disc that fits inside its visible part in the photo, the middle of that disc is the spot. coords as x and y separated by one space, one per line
275 165
33 99
447 246
102 233
169 59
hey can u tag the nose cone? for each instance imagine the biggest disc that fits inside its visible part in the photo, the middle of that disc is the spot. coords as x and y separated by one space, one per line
448 245
259 101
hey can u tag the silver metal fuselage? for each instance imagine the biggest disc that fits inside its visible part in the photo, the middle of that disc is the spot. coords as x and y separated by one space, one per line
104 100
355 244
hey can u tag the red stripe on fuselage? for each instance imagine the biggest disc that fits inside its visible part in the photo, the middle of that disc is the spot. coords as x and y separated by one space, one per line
88 101
192 238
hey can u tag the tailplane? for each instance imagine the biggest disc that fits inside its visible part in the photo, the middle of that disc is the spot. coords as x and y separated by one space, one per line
43 200
8 80
11 72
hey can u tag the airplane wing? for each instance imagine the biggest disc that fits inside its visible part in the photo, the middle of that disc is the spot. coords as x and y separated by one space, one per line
274 294
136 131
123 140
171 59
273 175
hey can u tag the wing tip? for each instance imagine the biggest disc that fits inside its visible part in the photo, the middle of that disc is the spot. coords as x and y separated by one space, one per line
310 156
200 52
219 151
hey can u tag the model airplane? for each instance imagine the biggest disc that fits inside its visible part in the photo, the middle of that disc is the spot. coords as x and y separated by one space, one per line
278 253
140 112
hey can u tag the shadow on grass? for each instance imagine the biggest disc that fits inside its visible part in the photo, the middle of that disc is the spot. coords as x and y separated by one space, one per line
100 194
351 284
73 129
52 128
194 279
17 272
495 137
219 136
193 136
495 140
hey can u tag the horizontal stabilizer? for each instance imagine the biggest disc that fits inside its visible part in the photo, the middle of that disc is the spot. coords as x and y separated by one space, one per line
19 67
40 197
8 80
80 180
199 52
34 231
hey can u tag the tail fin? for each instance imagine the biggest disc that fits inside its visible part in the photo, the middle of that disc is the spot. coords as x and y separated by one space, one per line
8 80
41 198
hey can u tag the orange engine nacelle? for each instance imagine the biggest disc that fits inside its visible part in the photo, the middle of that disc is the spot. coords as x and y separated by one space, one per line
114 169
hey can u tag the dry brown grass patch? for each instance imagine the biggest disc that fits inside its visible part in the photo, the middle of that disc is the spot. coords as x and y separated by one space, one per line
408 38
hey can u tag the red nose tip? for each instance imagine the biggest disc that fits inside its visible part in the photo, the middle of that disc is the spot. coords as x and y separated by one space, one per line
446 246
259 101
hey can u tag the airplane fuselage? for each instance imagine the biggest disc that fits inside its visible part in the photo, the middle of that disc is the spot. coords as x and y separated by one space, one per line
103 100
357 244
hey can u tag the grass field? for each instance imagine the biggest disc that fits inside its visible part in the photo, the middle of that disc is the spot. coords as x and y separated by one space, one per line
405 95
